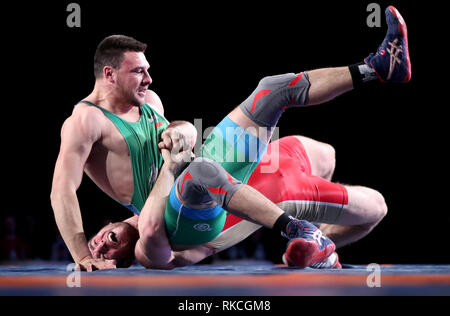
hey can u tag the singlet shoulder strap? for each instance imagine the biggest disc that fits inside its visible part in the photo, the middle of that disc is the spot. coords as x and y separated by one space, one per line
91 104
88 103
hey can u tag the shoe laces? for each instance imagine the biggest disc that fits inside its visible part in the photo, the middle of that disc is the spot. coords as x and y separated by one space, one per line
298 229
394 51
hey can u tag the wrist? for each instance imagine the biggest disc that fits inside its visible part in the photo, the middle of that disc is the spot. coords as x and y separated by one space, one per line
168 169
174 168
79 248
84 258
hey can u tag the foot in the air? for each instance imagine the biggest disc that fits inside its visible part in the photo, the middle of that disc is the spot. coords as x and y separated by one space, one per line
391 62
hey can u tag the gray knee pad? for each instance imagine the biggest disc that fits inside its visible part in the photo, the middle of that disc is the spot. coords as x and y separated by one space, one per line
205 181
275 94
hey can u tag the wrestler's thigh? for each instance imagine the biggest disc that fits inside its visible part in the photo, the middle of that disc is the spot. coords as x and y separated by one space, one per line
322 157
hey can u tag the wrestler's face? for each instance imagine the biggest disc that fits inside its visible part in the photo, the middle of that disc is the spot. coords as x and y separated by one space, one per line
110 242
133 79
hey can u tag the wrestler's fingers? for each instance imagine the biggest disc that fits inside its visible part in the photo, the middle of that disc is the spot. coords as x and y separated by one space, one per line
91 265
167 142
161 145
185 143
166 155
178 144
104 264
83 267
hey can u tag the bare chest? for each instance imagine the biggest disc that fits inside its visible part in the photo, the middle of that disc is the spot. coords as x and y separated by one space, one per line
109 164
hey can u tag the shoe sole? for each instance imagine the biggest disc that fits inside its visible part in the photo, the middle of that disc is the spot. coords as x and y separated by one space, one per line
302 253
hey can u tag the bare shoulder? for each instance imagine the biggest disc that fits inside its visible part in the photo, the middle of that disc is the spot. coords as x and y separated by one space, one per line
152 99
85 120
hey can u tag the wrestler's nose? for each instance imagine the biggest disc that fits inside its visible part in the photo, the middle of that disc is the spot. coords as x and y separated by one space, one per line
98 250
147 79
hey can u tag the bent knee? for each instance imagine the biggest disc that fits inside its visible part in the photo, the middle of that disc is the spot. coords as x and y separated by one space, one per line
365 206
206 180
208 172
276 82
380 208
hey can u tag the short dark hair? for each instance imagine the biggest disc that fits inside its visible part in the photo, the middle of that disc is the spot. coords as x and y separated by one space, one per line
126 257
110 52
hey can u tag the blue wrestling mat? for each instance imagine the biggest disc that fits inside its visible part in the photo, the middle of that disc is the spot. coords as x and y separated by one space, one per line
237 279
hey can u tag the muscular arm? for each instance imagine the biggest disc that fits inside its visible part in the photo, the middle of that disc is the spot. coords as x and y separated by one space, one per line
182 258
78 134
153 249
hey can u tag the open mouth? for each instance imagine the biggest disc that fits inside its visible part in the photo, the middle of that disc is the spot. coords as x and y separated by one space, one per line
142 92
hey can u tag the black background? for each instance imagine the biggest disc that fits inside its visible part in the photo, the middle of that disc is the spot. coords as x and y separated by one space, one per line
205 59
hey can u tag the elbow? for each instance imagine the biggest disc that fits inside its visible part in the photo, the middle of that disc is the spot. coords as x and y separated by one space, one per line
55 195
152 234
142 257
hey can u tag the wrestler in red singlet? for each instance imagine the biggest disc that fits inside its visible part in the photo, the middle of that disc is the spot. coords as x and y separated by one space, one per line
292 186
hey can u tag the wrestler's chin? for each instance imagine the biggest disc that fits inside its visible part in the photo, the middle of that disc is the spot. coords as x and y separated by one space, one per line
140 98
138 101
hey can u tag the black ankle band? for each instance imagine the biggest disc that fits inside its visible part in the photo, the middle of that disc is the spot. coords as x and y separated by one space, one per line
281 223
361 73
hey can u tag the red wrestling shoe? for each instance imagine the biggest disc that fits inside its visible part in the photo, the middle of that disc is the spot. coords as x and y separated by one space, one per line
307 245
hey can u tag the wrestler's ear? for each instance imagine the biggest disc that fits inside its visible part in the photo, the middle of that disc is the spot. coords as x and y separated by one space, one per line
109 74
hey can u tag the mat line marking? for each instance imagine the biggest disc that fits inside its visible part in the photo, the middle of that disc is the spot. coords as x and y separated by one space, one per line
155 281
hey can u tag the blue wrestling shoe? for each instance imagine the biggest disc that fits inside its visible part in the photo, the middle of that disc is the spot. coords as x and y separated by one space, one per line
391 62
307 245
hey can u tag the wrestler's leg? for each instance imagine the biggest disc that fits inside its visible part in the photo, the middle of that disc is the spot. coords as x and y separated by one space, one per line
366 208
328 83
322 157
274 94
303 163
205 182
320 86
195 213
